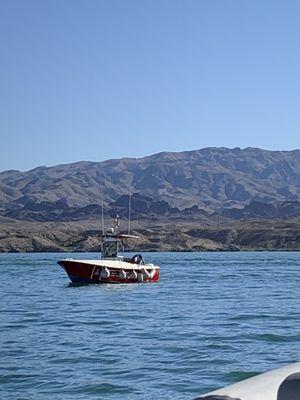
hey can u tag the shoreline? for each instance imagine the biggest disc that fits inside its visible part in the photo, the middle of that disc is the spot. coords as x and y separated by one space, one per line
160 251
153 236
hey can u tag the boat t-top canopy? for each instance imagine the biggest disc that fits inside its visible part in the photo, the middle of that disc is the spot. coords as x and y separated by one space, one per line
112 239
125 236
114 234
118 236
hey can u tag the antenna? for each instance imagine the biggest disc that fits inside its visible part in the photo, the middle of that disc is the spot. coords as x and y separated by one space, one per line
129 213
102 214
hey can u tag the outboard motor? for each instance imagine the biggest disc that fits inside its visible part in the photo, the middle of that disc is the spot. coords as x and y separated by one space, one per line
137 259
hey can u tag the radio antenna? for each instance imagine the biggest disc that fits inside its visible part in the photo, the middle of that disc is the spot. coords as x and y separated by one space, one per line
129 213
102 214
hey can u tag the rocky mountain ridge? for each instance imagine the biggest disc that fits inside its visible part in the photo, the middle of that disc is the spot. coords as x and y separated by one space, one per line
193 183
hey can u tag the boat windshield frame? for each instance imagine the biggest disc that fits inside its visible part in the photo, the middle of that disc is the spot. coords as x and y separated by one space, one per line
110 248
112 244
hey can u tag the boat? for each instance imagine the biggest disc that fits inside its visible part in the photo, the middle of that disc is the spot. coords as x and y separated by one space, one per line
111 267
279 384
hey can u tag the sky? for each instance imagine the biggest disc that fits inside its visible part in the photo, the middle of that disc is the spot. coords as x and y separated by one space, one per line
100 79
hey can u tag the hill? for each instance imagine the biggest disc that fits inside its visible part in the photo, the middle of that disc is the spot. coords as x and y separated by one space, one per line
163 235
185 184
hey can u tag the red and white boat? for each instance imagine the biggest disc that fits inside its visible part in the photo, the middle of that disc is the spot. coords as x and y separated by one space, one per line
111 268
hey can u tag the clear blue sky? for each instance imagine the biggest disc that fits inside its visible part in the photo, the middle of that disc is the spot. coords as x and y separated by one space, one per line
95 79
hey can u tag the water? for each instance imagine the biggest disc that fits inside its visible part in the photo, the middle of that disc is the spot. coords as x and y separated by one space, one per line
213 319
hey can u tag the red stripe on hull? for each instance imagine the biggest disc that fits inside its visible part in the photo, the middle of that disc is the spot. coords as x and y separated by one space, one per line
87 273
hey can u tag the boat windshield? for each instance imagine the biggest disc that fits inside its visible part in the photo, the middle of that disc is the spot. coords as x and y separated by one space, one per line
110 249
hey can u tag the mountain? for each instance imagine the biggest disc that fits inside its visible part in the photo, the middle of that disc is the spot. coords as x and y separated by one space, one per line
145 207
202 181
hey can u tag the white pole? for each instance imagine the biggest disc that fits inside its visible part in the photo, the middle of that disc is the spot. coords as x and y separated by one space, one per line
129 213
102 214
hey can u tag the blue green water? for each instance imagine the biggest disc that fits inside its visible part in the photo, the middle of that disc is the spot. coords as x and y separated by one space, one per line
213 319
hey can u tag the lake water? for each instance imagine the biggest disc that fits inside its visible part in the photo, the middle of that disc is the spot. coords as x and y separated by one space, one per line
213 319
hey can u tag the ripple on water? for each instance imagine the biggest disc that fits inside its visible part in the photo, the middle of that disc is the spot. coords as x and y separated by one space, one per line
225 317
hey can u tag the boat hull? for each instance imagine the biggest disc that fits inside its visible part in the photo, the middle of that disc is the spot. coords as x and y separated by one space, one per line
85 272
280 384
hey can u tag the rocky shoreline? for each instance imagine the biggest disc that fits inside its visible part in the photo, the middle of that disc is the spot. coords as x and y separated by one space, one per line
85 236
